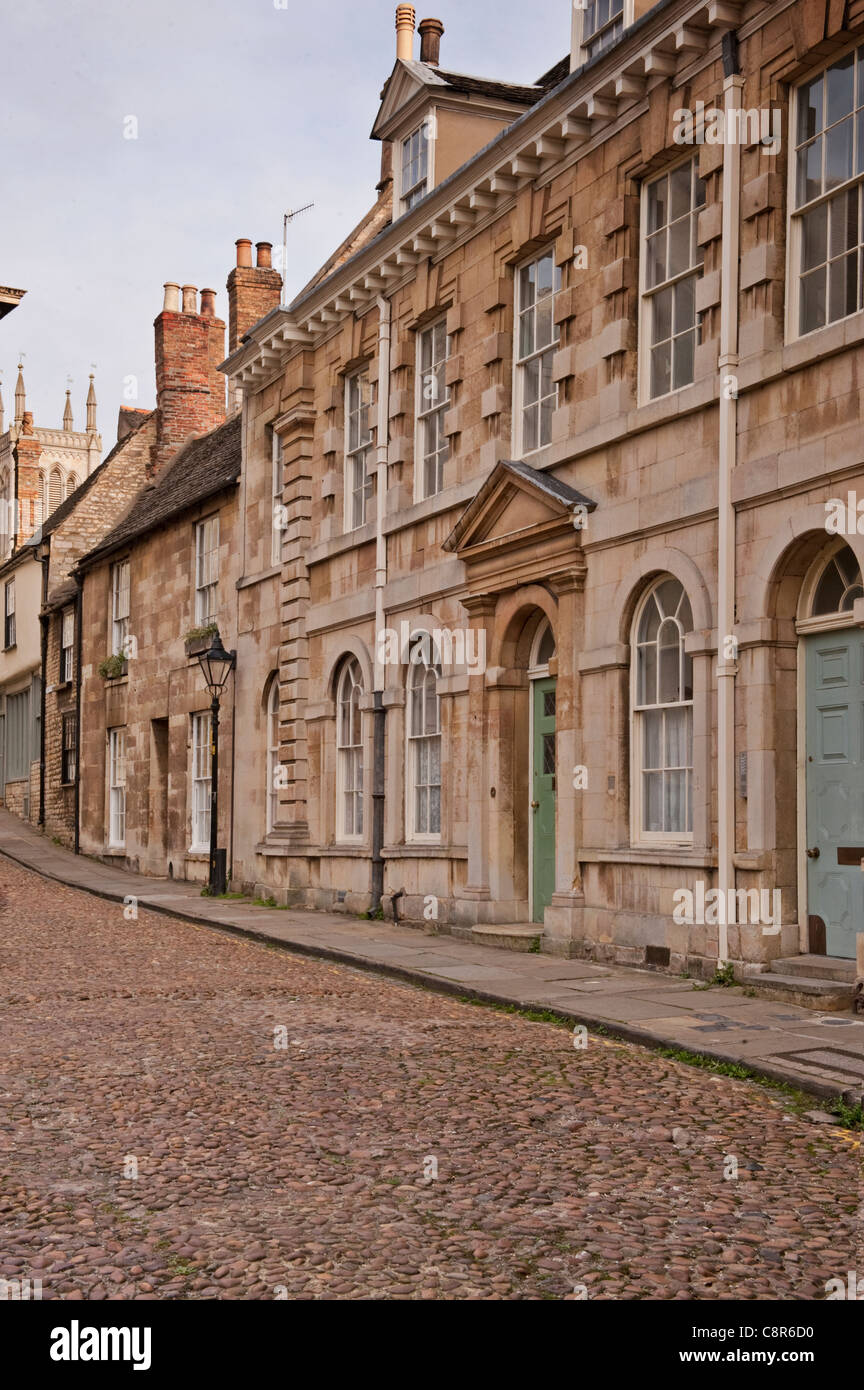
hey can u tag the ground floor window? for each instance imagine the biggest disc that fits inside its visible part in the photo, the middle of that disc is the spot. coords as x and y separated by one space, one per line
350 752
272 754
117 787
663 715
201 770
69 749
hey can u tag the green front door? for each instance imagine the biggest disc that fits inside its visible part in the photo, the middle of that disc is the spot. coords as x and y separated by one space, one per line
835 786
543 796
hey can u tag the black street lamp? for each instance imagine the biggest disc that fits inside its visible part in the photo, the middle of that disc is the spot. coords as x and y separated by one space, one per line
216 665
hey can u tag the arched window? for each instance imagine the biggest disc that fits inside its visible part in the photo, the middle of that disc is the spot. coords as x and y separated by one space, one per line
349 745
839 585
663 715
543 647
273 754
424 741
55 491
71 484
43 498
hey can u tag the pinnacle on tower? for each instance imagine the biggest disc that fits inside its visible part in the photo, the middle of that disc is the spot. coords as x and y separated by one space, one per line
68 424
20 395
91 408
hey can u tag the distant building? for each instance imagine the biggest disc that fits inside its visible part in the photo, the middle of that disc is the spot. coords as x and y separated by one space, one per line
40 468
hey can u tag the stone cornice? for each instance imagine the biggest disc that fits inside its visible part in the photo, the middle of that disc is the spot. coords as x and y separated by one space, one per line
584 109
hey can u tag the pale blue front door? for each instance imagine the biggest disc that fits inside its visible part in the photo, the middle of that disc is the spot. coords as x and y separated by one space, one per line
835 785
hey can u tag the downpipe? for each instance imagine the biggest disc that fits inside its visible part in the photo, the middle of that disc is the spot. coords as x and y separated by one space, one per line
379 712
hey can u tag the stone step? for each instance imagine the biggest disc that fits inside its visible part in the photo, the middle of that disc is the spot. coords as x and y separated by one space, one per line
809 992
515 936
816 968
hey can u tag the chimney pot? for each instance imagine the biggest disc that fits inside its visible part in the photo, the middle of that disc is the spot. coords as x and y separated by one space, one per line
190 299
430 31
172 298
244 251
208 304
263 250
405 19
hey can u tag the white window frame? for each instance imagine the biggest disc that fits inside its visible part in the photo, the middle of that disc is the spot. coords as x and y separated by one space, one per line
67 645
357 453
117 788
350 771
520 363
432 401
120 604
795 215
206 570
582 44
200 770
640 836
10 634
424 135
420 742
648 294
276 498
273 752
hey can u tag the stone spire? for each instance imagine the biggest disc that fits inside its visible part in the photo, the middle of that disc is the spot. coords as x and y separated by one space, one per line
67 413
20 395
91 408
2 427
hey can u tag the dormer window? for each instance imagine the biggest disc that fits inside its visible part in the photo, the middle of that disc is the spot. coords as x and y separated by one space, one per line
602 25
415 167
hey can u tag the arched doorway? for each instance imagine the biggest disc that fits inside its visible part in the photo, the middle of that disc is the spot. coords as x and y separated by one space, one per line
833 734
542 770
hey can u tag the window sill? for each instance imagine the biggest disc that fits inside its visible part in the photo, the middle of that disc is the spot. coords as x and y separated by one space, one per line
433 849
697 857
198 855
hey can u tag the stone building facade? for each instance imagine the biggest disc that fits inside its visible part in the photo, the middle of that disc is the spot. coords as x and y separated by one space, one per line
568 642
196 551
40 469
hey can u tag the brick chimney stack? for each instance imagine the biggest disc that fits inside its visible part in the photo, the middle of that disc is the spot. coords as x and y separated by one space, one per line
252 290
216 328
184 382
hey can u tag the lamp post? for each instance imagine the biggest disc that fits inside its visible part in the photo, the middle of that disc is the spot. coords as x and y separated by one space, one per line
216 665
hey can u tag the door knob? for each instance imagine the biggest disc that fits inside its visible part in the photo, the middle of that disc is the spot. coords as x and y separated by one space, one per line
813 853
534 805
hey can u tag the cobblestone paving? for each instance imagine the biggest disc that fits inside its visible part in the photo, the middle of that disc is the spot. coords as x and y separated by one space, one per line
306 1170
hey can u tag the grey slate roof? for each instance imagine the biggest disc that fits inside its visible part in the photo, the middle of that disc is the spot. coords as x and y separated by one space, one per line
200 469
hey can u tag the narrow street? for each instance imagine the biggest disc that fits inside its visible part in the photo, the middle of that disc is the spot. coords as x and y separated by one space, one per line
301 1129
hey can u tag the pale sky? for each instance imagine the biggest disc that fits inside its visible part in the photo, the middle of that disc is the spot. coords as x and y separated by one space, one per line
243 110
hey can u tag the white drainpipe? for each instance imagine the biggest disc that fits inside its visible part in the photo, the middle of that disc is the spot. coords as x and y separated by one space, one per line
384 324
727 666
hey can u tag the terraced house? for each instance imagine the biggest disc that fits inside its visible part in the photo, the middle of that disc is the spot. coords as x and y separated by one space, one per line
568 643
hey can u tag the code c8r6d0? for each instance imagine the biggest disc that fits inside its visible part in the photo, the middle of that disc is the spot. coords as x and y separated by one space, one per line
784 1331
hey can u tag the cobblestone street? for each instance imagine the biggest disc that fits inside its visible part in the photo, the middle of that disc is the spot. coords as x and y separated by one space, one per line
307 1170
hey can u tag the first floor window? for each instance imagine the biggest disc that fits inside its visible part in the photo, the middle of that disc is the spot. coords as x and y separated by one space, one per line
424 746
67 640
117 787
9 612
70 748
828 219
273 750
359 486
349 738
672 269
206 570
663 714
201 770
537 339
119 607
433 400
